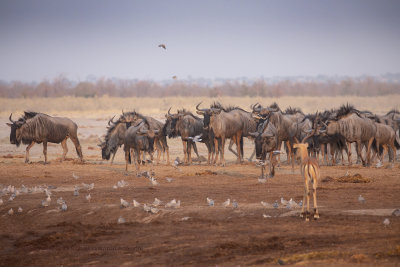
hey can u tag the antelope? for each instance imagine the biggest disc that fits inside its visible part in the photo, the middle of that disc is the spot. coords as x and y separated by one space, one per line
310 171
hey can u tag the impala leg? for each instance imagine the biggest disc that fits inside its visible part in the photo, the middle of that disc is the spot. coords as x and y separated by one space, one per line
308 204
65 148
27 151
304 200
316 214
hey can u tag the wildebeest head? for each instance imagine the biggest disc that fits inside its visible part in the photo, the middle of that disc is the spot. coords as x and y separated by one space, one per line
265 141
111 142
206 113
15 135
169 128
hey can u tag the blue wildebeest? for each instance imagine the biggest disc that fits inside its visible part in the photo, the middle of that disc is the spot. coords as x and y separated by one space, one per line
160 140
39 128
139 138
225 123
188 127
266 139
348 122
114 139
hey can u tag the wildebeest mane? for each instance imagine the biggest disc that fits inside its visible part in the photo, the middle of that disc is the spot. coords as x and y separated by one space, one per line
274 106
345 110
186 112
292 111
31 114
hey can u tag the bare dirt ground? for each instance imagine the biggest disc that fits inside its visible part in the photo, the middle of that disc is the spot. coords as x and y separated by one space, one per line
348 231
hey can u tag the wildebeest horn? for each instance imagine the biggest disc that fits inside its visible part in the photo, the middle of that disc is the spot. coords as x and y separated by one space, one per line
10 118
111 120
256 108
197 107
169 113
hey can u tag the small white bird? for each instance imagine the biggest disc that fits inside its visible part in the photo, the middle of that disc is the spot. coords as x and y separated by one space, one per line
361 199
45 203
76 192
153 181
301 203
266 216
11 212
386 222
121 220
124 203
136 204
88 197
156 202
47 192
171 204
196 138
48 199
178 204
283 201
169 180
12 197
146 208
60 201
276 205
162 46
293 204
154 210
266 205
88 187
115 187
1 201
210 202
20 210
235 204
64 207
227 202
75 176
262 180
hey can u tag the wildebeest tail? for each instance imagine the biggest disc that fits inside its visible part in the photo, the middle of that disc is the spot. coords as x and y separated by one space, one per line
129 153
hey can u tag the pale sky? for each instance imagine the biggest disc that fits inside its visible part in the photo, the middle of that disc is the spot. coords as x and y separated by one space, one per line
79 38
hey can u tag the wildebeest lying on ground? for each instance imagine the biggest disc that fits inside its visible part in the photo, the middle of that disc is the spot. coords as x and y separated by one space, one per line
39 128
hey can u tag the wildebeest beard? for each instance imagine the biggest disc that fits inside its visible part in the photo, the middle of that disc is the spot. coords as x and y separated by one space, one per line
13 136
170 128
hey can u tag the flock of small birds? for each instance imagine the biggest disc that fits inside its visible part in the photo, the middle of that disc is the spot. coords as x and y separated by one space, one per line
153 207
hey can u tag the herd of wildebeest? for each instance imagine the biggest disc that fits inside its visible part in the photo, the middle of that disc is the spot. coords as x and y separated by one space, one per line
328 133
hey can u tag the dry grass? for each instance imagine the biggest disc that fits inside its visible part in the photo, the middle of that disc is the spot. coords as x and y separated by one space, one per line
103 107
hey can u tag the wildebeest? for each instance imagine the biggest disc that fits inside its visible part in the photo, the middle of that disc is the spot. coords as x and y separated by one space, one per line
355 128
138 138
114 138
286 129
160 140
266 142
188 126
39 128
224 124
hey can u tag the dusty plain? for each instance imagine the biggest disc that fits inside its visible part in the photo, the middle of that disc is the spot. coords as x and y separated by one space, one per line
348 232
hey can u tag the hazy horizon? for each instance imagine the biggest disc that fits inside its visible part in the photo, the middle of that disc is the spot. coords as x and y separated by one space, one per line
209 39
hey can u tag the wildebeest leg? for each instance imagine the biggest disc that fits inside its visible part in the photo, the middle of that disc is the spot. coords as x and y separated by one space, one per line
45 151
393 148
231 142
252 155
349 153
157 143
368 159
77 146
359 152
165 147
290 150
189 151
127 158
194 146
385 149
184 144
65 148
113 156
27 151
222 159
272 163
217 149
138 159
